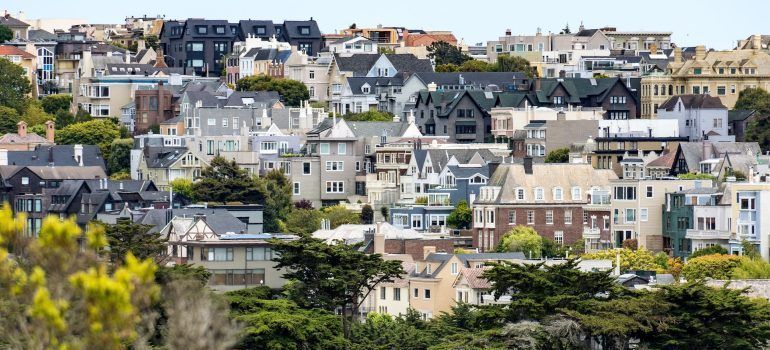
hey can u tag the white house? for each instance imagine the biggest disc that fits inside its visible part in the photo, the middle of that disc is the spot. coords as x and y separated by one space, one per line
700 117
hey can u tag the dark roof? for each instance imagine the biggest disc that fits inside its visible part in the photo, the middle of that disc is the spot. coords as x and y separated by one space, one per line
268 98
140 69
356 83
699 101
9 21
462 172
587 32
162 157
479 79
59 155
40 35
739 114
409 63
359 64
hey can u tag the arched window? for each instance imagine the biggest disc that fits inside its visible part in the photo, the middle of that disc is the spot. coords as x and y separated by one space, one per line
671 89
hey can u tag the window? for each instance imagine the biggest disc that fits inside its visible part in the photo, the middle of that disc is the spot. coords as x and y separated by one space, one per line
334 166
416 293
630 215
576 193
427 293
717 122
358 166
557 194
268 146
216 254
342 148
465 129
649 191
335 186
530 217
305 168
211 122
549 217
557 100
568 216
721 90
695 90
417 221
382 293
520 194
585 218
625 193
454 268
324 148
643 214
512 217
697 71
224 122
396 294
539 194
25 180
558 237
259 254
296 188
304 30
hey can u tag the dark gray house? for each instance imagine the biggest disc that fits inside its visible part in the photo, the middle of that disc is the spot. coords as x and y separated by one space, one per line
461 115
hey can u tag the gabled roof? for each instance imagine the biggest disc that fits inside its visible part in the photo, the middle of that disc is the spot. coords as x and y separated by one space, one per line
547 176
7 50
356 83
464 172
359 64
473 276
56 172
9 21
739 114
163 157
31 138
59 155
41 35
696 152
368 129
699 101
409 63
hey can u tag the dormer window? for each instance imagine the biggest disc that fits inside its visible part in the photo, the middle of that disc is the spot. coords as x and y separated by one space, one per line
539 194
260 30
558 194
201 30
520 194
557 100
366 89
304 30
219 29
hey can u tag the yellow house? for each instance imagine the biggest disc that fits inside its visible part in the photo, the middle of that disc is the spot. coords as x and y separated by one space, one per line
718 73
26 60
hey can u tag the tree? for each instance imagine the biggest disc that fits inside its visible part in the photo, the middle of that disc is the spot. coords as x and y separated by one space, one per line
14 86
57 102
756 99
292 92
34 114
714 249
9 117
225 181
100 132
303 221
522 239
303 204
119 156
476 66
125 237
508 63
630 259
385 212
339 215
749 250
566 30
369 116
447 68
151 41
716 266
461 217
694 176
367 214
443 52
332 277
275 188
751 268
184 187
559 155
6 34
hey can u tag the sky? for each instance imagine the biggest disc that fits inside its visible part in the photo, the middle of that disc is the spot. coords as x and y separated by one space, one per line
716 24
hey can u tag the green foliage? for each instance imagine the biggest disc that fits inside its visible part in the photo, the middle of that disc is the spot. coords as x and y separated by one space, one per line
382 331
522 239
560 155
119 156
100 132
476 66
184 187
758 100
693 176
714 249
461 217
225 181
339 215
443 52
369 116
121 175
749 250
169 274
507 63
367 214
385 212
9 117
716 266
640 259
751 268
447 68
126 237
631 243
14 86
303 221
292 92
55 103
35 115
5 34
151 41
275 188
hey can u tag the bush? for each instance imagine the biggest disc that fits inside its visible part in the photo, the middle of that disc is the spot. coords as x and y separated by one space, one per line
716 249
752 269
632 244
522 239
716 266
640 259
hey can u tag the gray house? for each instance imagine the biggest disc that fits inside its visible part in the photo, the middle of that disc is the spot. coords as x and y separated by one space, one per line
701 117
461 115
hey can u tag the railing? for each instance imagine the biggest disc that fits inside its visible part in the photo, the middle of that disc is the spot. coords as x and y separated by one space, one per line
708 234
591 233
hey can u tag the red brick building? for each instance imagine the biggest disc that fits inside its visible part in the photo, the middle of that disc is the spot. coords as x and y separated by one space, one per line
153 106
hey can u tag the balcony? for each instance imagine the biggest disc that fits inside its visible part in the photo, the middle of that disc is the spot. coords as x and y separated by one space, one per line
708 234
591 233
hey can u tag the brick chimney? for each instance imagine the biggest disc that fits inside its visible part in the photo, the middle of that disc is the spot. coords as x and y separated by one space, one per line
21 128
50 131
427 250
700 52
379 240
677 54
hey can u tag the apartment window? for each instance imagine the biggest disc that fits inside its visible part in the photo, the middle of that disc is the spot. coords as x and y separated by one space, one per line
324 148
512 217
25 180
427 293
335 186
342 148
576 193
397 294
630 215
530 217
454 268
498 48
717 122
557 100
296 188
568 216
224 122
697 71
382 293
558 237
334 166
649 191
643 214
259 254
721 90
625 193
520 194
305 168
585 218
216 254
211 122
311 75
416 293
539 194
557 194
695 90
732 89
417 221
549 217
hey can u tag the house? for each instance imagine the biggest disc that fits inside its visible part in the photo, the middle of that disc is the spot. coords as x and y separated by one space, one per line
519 111
24 59
353 45
715 158
22 140
361 94
304 35
550 198
163 164
18 27
738 121
391 298
313 72
152 106
42 44
463 116
263 61
55 155
701 117
471 288
681 236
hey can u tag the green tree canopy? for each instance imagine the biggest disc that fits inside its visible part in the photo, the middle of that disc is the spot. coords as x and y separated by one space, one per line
100 132
275 188
367 214
303 221
119 156
715 249
522 239
57 102
339 215
443 52
225 181
184 187
559 155
125 237
369 116
508 63
292 92
461 217
716 266
5 34
756 99
9 117
447 68
14 86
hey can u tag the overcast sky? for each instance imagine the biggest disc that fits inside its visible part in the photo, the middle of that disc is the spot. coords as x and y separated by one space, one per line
717 24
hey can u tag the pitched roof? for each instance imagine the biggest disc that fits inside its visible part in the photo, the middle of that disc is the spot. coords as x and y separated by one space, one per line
465 172
699 101
9 21
14 138
739 114
478 79
356 83
473 275
7 50
41 35
368 129
56 172
162 157
547 176
409 63
359 64
59 155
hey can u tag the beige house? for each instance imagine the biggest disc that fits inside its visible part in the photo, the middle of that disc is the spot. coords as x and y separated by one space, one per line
313 72
163 165
717 73
637 208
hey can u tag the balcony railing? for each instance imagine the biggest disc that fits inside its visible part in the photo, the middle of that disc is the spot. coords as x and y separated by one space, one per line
591 233
708 234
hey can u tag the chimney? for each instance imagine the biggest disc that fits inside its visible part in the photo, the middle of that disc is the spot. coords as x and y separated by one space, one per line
508 32
160 60
700 52
78 154
427 250
756 41
528 165
677 54
379 240
432 87
140 45
21 128
561 115
50 131
3 156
